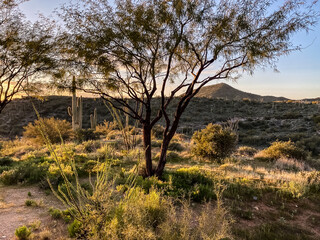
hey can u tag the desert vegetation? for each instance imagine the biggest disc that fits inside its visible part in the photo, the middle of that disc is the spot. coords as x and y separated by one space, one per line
245 192
141 161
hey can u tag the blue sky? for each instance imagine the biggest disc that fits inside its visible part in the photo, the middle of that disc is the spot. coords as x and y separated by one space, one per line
299 75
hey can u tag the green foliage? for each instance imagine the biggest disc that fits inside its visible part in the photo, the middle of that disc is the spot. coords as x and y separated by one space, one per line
55 213
9 177
157 131
190 182
91 146
32 170
311 144
51 128
131 212
82 135
5 161
31 203
25 50
247 151
280 149
74 228
23 233
66 215
175 146
214 142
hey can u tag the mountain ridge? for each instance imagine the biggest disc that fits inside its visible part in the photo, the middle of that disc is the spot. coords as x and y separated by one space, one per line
225 91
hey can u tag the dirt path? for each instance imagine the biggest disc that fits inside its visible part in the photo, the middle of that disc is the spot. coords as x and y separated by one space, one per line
14 213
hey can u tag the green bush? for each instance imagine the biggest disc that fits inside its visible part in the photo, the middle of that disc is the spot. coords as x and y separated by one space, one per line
33 170
52 128
91 146
5 161
23 233
9 177
172 157
74 228
157 131
175 146
311 144
55 213
190 182
280 149
31 203
82 135
247 151
214 142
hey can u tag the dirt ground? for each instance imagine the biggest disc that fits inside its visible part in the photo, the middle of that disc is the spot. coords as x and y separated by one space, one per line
14 213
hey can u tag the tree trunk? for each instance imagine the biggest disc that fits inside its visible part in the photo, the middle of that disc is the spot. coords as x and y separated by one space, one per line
147 149
163 156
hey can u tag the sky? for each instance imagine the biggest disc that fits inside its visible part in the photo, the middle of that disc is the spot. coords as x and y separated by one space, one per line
298 76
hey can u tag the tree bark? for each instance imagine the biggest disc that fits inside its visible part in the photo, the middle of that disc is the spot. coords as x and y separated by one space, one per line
147 149
163 157
165 143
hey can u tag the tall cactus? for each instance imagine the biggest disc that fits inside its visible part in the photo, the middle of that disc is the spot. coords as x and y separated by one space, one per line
76 110
94 119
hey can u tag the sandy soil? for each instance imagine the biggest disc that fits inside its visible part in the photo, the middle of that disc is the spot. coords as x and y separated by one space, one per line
14 213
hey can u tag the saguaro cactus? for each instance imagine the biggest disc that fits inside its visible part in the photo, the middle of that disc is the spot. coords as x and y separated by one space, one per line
75 111
94 119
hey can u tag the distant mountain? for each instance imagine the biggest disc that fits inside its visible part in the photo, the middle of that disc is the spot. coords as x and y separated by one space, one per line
312 99
222 90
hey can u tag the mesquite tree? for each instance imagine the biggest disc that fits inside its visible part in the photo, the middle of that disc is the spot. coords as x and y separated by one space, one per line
25 50
141 49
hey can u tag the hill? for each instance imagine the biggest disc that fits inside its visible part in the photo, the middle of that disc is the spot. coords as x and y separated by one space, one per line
224 91
312 99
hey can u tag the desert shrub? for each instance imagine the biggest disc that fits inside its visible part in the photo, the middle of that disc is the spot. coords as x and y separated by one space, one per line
74 228
316 119
55 213
133 213
190 183
66 215
91 146
214 142
9 177
175 146
247 151
89 166
16 148
30 171
23 233
313 181
44 235
157 131
172 157
82 135
280 149
156 144
105 128
4 168
311 144
54 129
31 203
291 165
5 161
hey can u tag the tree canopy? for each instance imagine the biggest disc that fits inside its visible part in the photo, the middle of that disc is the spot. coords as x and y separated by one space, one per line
141 49
25 50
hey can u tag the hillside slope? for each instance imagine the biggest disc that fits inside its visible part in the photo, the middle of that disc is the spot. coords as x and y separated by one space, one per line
224 91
